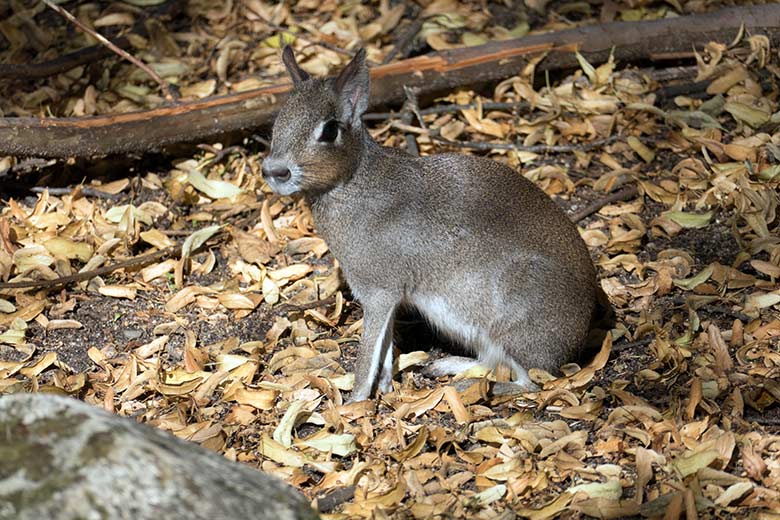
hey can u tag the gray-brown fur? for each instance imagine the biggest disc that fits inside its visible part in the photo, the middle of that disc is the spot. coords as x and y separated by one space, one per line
479 249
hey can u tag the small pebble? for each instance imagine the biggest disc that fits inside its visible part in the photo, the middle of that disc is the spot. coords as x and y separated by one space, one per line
131 334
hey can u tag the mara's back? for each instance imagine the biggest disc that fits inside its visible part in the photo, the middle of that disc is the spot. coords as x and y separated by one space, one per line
428 204
448 218
495 203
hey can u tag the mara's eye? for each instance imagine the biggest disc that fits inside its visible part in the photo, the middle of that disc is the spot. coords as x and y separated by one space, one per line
330 131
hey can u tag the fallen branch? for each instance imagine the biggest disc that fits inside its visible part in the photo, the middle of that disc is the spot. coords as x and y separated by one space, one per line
28 71
449 108
429 75
12 185
763 420
164 85
28 165
289 307
330 501
536 148
627 193
409 138
100 271
87 191
405 40
85 56
620 347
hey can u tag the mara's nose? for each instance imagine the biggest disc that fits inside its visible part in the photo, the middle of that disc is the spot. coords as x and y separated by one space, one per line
276 171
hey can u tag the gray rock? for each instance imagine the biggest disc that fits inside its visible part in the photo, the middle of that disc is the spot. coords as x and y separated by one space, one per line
63 459
131 334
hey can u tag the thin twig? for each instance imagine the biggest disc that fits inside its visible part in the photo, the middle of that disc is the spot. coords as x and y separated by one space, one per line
411 140
219 154
86 190
328 46
627 193
411 98
262 140
28 165
100 271
763 420
290 307
408 128
445 109
176 232
334 498
407 37
714 309
164 85
632 344
410 109
537 148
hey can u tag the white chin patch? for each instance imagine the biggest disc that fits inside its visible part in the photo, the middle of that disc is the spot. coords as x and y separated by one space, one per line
283 187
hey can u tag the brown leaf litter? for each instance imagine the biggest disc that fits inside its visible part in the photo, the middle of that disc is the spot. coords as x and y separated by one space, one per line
244 342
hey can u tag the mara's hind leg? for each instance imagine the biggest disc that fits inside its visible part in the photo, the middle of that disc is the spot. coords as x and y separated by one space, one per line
542 313
493 353
530 344
455 365
489 355
450 366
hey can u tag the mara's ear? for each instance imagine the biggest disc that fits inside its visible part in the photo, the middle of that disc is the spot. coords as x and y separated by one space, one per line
352 88
296 73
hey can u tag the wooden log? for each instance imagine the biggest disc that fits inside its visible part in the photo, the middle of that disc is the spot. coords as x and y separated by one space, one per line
430 74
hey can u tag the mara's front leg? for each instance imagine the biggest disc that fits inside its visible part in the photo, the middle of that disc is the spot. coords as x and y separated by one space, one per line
374 364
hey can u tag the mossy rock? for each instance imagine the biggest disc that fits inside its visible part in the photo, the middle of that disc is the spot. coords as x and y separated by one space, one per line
63 459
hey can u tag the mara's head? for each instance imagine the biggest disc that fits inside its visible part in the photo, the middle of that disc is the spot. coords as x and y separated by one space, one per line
318 134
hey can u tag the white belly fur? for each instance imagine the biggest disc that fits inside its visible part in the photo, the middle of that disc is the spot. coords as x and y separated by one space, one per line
477 339
445 319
